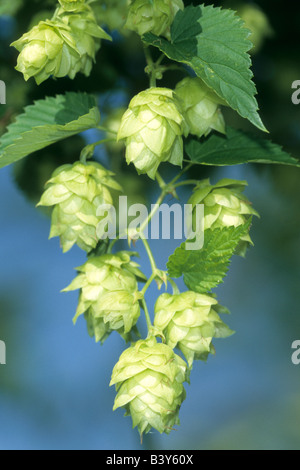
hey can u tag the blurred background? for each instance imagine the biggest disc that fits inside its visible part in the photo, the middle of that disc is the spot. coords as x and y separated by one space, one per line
54 391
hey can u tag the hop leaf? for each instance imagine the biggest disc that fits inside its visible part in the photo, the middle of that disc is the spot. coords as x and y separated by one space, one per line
153 127
200 107
76 192
109 295
225 206
190 321
154 16
149 382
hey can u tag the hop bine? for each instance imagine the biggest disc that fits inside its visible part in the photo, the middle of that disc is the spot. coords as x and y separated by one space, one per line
149 382
153 128
76 192
225 205
190 321
109 297
154 16
201 107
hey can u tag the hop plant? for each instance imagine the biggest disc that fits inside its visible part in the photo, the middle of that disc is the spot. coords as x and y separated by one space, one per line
60 47
201 107
153 127
87 34
109 296
113 13
154 16
71 5
225 205
76 192
190 321
149 382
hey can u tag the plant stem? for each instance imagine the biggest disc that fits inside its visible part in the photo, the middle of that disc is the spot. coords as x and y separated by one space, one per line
149 253
148 319
148 283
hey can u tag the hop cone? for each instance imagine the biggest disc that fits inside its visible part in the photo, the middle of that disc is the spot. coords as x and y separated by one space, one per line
71 5
190 321
112 13
200 107
61 47
87 34
153 127
76 192
225 205
154 16
149 382
109 296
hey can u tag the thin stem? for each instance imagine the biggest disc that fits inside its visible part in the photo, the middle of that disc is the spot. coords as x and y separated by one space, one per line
112 244
185 183
149 253
175 288
105 129
154 211
150 66
185 169
161 182
103 141
148 319
148 283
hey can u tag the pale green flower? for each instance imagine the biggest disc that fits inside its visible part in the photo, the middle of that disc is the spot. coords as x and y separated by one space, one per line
201 107
190 321
71 5
152 127
109 296
149 382
61 47
154 16
87 34
225 205
76 192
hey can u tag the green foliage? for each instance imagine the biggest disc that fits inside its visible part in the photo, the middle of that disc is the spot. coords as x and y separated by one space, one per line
205 269
214 43
48 121
235 148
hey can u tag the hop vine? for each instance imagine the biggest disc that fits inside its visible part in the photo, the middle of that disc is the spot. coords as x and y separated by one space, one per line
155 130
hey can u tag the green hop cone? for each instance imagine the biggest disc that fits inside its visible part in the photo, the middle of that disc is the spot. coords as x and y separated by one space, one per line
87 35
48 49
152 16
149 382
71 5
109 296
77 192
61 47
225 205
112 13
201 107
153 127
190 321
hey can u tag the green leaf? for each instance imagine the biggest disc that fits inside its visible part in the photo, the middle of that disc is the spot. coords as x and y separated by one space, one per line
204 269
235 148
48 121
214 43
